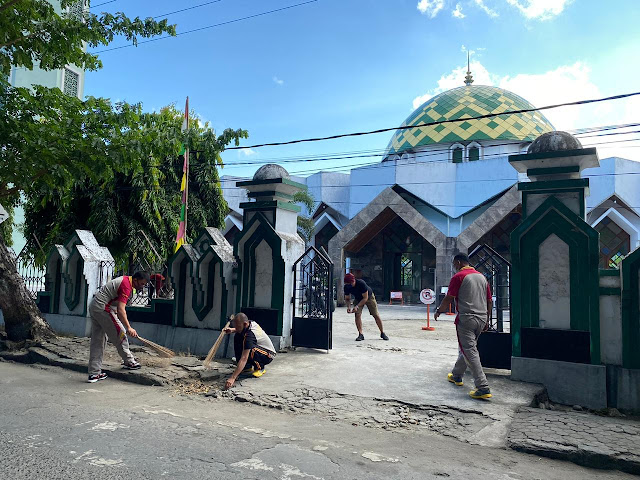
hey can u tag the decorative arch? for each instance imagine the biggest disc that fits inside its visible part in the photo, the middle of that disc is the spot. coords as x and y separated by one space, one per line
384 208
258 229
456 153
180 266
474 152
73 279
204 279
621 223
553 217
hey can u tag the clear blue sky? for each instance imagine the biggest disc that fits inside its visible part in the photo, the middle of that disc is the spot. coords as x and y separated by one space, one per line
336 66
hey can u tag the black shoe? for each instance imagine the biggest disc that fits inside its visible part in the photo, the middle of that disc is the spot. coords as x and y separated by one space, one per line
383 336
131 365
360 338
96 378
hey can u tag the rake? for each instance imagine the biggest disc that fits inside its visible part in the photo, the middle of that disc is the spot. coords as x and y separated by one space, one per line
162 351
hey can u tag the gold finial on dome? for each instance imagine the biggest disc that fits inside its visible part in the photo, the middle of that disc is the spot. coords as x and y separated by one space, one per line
468 80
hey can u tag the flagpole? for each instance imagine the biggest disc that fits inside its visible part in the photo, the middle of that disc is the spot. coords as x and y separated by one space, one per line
186 187
181 236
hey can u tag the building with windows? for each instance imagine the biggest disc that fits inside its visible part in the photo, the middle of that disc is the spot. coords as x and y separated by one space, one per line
69 79
443 188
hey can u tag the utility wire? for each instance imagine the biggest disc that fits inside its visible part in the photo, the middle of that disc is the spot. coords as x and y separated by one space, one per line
436 182
208 26
103 3
428 153
381 152
440 122
188 8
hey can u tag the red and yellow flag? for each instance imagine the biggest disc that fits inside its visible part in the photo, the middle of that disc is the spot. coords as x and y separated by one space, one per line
182 228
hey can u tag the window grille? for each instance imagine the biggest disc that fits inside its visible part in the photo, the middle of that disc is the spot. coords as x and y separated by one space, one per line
474 154
615 243
76 10
71 82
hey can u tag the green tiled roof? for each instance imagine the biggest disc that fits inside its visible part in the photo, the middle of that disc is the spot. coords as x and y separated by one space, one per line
466 102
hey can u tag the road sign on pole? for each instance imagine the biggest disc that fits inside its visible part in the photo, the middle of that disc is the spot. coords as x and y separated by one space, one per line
427 296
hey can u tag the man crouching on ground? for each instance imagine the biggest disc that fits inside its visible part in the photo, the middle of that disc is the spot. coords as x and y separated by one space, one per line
109 321
252 346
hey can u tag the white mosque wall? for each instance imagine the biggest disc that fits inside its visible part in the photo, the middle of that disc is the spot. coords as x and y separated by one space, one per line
367 182
452 188
331 188
232 194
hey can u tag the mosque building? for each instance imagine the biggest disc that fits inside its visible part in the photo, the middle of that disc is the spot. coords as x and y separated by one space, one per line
447 188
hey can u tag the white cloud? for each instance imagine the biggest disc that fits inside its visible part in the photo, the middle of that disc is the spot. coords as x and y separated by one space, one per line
246 152
540 9
487 10
278 81
430 7
457 13
566 83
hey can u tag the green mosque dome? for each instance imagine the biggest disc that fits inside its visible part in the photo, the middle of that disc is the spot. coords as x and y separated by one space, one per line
467 102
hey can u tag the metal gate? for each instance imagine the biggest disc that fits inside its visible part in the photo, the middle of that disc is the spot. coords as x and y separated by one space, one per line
313 300
495 344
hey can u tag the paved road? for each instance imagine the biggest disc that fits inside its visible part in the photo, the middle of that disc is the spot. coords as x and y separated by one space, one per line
55 426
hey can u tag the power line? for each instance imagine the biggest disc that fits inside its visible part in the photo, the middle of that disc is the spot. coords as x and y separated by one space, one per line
209 26
350 186
103 3
188 8
428 153
440 122
413 161
380 152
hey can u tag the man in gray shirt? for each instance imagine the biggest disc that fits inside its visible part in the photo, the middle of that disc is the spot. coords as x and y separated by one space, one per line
472 294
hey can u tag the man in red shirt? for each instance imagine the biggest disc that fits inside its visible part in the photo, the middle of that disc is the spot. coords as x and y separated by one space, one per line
109 321
472 294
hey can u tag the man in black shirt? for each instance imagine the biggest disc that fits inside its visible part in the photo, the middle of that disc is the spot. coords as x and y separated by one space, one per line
253 348
363 295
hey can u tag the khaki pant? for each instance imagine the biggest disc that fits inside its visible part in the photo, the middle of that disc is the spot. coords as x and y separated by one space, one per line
469 328
105 325
372 305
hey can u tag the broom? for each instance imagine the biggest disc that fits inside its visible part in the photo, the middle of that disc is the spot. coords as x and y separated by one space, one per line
162 351
214 348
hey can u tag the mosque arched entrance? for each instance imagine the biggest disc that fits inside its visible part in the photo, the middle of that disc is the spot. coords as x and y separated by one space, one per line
391 256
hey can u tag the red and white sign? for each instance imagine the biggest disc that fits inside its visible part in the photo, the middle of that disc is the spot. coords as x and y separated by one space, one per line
396 295
427 296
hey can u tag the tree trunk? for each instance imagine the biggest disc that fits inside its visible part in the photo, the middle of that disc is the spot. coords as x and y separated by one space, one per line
22 318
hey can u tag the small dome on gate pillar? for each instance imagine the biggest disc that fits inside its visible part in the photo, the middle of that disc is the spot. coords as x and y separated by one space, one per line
270 171
554 142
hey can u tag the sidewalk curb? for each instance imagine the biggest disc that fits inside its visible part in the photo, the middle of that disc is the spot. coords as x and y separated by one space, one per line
581 438
38 355
582 457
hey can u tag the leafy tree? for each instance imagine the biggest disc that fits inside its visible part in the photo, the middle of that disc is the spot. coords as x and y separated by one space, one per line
305 222
117 206
34 32
51 142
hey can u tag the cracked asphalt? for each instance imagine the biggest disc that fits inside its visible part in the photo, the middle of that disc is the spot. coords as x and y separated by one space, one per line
53 425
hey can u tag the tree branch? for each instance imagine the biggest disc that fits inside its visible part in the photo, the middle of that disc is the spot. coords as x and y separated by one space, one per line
8 4
16 40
